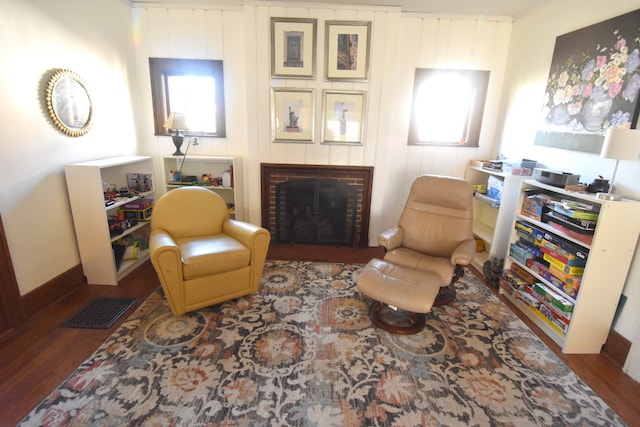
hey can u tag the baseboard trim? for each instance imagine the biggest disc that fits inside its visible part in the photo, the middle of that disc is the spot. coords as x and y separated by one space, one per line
55 289
617 348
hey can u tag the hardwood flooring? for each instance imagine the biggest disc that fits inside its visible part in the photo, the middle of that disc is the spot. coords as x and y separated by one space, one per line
40 355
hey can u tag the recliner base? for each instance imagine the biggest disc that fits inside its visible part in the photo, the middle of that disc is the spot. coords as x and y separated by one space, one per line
446 294
412 325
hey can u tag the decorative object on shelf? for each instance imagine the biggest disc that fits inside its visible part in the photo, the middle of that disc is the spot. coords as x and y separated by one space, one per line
619 144
187 179
593 84
177 123
492 269
347 45
292 112
343 116
599 185
69 103
293 48
556 178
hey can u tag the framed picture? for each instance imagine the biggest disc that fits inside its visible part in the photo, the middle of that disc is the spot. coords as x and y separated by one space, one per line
69 103
593 85
293 48
292 112
347 45
343 117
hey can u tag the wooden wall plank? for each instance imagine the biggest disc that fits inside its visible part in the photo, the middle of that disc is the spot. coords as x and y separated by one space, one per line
181 34
400 43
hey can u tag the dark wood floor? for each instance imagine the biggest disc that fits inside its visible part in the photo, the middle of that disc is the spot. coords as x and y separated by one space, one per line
40 355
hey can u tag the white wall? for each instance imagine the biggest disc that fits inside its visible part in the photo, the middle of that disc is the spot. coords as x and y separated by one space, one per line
530 53
36 37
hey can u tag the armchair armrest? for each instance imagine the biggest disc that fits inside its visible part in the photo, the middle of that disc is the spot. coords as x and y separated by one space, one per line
463 254
256 239
391 238
166 259
160 242
246 233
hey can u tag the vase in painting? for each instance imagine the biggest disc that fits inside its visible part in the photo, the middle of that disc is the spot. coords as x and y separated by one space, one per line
559 114
594 113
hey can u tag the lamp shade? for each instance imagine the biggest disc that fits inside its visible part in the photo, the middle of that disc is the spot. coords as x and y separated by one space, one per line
176 121
621 144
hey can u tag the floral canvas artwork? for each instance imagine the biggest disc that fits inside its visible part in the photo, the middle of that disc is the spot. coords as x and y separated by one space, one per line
593 84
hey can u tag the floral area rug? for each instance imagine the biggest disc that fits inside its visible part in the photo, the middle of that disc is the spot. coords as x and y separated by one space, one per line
303 352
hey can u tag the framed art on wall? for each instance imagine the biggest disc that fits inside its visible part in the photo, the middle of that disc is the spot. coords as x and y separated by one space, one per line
343 115
593 84
292 112
69 103
347 45
293 48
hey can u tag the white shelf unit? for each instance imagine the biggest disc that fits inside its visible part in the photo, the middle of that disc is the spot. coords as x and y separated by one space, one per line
90 215
610 255
216 166
492 223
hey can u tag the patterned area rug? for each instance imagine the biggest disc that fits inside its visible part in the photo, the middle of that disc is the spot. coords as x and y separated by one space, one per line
303 352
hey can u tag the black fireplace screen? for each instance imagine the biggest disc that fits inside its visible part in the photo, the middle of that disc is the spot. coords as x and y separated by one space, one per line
316 211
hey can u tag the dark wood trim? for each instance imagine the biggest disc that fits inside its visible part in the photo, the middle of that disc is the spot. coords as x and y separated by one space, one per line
13 313
54 290
161 68
319 171
617 348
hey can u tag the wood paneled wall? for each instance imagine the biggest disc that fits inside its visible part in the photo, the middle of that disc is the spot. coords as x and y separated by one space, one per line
400 42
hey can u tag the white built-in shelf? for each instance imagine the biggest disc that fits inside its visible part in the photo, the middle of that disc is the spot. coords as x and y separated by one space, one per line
609 259
90 215
492 218
214 165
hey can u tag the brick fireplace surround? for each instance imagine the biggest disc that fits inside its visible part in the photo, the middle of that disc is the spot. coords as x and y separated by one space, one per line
359 176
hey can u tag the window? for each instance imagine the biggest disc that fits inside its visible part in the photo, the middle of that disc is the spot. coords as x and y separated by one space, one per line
193 87
447 107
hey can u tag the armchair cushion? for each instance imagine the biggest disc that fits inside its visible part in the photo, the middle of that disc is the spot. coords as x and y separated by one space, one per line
204 256
439 266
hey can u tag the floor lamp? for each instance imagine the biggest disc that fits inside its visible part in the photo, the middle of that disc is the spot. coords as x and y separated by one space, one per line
619 144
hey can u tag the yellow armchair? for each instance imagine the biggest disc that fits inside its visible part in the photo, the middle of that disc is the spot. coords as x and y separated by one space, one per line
201 256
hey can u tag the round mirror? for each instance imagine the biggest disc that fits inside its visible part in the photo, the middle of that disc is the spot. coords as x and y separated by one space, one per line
69 103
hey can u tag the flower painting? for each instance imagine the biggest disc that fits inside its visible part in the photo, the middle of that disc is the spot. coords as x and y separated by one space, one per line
593 84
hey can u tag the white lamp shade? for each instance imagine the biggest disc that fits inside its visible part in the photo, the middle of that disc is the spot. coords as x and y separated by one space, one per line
176 121
621 144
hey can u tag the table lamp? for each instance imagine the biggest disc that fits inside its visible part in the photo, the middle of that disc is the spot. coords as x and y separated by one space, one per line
619 144
177 123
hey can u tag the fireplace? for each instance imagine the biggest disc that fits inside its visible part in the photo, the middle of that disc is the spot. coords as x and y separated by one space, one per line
316 204
312 210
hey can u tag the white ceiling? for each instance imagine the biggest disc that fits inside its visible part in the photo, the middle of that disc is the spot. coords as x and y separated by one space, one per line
467 7
511 8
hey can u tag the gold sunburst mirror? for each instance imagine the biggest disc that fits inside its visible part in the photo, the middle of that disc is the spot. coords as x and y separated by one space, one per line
69 103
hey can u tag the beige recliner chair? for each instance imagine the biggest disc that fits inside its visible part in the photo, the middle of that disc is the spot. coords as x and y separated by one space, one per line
424 253
200 255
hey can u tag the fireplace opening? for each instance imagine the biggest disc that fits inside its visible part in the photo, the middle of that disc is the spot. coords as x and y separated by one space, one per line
316 211
323 224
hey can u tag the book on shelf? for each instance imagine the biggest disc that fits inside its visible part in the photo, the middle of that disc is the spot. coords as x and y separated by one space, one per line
553 297
575 210
569 269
